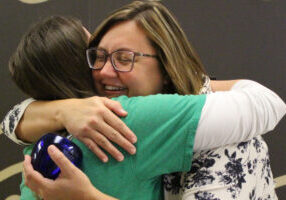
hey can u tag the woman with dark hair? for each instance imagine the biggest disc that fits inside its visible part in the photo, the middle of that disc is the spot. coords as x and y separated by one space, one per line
63 38
140 62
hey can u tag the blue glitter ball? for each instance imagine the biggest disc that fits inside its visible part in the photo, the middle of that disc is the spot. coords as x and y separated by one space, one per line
41 160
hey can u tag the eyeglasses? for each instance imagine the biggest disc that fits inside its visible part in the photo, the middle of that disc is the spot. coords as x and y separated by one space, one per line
121 60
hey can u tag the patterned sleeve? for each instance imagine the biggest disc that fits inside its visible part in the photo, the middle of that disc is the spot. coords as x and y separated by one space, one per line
206 88
12 119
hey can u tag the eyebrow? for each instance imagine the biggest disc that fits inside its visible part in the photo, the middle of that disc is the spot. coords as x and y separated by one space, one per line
100 48
119 49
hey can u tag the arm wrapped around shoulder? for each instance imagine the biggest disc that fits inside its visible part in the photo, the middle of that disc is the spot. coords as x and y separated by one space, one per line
246 111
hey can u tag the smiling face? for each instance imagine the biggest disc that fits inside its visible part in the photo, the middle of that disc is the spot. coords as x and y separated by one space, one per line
146 77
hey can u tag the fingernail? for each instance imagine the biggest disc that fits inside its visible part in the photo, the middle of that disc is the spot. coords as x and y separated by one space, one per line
123 111
134 139
132 150
120 158
52 148
105 160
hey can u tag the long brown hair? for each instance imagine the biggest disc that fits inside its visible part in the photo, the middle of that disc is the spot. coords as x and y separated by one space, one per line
49 62
178 59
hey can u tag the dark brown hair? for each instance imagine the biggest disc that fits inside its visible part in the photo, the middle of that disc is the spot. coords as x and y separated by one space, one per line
50 63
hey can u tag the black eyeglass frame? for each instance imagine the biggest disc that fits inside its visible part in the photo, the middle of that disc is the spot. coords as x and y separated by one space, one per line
109 55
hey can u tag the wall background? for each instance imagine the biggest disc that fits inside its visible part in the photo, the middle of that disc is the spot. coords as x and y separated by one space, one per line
235 39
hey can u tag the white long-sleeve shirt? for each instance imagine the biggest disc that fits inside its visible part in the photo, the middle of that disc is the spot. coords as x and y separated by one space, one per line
247 110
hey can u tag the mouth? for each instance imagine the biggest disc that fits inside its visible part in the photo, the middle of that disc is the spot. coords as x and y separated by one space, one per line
111 90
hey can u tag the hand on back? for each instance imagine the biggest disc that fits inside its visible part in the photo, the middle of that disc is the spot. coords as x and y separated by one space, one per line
95 122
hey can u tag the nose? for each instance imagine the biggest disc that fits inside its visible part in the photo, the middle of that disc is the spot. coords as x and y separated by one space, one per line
108 70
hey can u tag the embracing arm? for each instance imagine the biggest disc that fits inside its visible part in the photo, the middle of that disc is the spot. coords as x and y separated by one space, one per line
91 120
174 126
246 111
40 117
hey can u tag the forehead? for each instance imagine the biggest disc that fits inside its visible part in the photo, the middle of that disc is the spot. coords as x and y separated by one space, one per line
125 35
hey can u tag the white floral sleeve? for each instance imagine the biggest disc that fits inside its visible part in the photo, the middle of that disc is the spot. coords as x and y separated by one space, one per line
12 119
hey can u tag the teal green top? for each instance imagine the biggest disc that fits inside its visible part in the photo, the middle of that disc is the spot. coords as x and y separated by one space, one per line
165 126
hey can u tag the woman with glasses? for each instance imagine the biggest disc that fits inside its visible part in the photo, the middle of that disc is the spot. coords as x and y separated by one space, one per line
170 67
